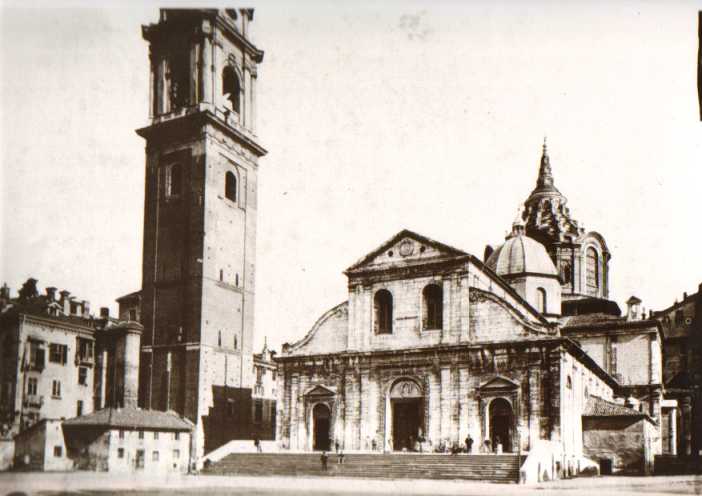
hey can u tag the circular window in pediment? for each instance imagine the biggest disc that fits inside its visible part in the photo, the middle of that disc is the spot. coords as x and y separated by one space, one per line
406 248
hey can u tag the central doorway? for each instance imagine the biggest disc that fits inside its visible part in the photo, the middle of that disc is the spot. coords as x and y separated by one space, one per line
501 423
407 410
321 421
406 423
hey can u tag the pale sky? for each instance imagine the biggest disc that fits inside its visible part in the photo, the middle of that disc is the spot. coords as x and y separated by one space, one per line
377 117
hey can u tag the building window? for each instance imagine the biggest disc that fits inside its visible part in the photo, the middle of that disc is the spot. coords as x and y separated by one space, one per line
176 454
433 299
120 452
569 383
121 434
174 180
236 342
541 300
178 76
36 356
258 411
58 353
259 375
154 456
155 436
593 271
230 186
58 451
85 350
230 407
56 389
382 303
83 376
79 408
176 436
132 314
679 317
141 434
231 89
32 384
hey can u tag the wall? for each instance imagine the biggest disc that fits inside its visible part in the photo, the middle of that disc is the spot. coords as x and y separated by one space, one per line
166 445
65 405
620 439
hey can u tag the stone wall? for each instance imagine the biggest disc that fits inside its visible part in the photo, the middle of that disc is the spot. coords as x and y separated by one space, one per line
623 440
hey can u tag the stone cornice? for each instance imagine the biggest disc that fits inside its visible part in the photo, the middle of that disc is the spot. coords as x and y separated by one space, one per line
192 123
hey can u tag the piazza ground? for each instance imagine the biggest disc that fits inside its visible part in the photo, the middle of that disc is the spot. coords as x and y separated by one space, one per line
95 484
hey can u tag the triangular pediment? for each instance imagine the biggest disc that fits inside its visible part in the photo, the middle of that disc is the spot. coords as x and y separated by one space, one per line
498 383
320 391
405 248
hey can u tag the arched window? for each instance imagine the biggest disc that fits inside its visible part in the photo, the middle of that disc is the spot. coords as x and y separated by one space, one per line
230 186
593 270
383 312
541 300
433 306
174 180
231 88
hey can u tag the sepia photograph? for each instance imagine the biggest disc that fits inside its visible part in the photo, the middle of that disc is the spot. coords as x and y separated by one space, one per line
335 248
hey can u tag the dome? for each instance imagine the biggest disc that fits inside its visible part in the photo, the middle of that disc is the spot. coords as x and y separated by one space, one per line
520 254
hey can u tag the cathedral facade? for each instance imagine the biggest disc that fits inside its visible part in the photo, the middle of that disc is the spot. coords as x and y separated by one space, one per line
434 346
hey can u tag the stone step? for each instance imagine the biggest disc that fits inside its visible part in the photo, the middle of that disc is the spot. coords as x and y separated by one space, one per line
498 468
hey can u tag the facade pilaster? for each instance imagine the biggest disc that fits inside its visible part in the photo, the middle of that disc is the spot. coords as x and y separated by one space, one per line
445 395
434 408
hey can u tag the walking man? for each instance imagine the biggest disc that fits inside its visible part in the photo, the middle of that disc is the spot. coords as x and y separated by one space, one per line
324 458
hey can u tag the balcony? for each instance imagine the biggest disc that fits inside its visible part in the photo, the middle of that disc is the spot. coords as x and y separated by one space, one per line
85 359
33 401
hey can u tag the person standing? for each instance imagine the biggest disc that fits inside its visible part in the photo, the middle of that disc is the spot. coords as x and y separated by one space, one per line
469 444
324 458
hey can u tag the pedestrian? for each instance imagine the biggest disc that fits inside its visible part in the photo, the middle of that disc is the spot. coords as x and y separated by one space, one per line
324 459
374 445
486 446
498 445
469 444
340 457
336 445
257 444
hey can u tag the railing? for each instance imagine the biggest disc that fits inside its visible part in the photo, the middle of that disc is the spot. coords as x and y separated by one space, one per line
33 401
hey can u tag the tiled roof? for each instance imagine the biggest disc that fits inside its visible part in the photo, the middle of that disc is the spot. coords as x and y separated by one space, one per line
132 418
603 321
597 407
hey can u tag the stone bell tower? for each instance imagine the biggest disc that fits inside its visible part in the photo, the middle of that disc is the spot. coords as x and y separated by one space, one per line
200 220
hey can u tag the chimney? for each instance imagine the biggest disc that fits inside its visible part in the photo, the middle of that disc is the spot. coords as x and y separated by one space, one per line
65 301
104 312
51 293
632 304
684 295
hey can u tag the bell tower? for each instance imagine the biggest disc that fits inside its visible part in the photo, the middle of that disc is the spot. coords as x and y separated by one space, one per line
200 220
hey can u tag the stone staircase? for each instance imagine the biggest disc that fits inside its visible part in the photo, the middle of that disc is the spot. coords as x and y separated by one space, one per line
494 468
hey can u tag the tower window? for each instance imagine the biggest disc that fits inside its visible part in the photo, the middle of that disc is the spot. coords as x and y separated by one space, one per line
593 271
383 312
541 300
174 180
230 186
231 89
433 299
178 79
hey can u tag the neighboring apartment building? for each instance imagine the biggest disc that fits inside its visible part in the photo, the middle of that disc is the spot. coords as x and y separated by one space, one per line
48 350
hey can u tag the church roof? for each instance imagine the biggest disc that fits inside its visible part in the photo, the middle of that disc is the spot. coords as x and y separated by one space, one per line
598 407
521 255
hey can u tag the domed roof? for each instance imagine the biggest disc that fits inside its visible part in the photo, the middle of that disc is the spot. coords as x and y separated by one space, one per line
520 254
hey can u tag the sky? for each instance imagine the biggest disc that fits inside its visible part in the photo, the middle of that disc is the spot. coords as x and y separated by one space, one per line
378 116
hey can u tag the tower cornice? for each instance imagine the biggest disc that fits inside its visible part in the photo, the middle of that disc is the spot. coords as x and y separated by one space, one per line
173 130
